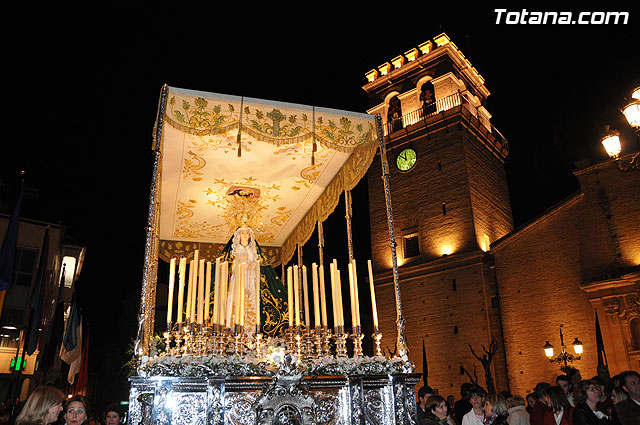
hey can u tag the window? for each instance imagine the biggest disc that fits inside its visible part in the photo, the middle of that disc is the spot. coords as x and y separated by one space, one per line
634 326
444 209
25 269
454 286
411 245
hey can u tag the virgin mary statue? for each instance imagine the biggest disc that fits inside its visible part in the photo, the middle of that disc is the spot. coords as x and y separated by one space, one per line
243 248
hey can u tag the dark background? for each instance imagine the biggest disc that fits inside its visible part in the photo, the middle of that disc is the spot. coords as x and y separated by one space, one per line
82 92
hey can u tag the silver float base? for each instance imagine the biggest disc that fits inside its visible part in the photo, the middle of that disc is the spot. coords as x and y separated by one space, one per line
279 400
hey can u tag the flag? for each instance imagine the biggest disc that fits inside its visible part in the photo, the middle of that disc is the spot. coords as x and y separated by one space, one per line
8 250
35 306
603 367
55 330
74 366
83 373
71 347
425 367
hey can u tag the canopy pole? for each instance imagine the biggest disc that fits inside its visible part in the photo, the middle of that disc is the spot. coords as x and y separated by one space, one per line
401 341
320 244
150 274
347 207
300 289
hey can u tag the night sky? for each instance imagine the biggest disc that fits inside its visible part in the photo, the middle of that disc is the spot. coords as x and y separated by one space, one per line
83 89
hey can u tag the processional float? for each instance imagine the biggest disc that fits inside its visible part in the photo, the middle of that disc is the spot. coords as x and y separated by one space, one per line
238 186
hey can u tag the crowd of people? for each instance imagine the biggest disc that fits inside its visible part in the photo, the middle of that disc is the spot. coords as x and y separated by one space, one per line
47 405
571 400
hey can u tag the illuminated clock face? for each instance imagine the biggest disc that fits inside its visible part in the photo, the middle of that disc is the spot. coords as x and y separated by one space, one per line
406 159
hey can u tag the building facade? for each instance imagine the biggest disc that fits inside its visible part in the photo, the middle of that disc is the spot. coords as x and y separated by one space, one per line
16 299
474 290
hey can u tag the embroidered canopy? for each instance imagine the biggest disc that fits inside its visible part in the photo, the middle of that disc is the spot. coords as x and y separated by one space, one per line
278 167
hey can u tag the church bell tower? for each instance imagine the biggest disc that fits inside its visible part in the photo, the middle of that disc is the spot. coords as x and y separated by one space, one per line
450 202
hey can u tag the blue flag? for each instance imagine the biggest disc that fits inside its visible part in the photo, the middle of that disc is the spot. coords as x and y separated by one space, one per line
35 315
8 250
71 347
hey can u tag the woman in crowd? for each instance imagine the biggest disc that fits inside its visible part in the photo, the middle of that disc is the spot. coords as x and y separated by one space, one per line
588 395
518 414
42 407
437 412
495 410
112 415
560 410
76 411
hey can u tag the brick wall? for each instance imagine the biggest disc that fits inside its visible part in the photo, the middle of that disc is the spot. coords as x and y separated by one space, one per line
538 270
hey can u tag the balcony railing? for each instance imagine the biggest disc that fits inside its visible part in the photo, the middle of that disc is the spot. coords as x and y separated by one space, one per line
426 112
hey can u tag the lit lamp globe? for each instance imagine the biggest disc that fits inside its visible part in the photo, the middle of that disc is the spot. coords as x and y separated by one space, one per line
611 143
548 350
577 346
632 113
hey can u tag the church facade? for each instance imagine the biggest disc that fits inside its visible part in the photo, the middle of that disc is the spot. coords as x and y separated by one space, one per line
481 297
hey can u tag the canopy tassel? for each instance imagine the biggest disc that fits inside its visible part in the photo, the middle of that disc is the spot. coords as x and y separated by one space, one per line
315 146
239 136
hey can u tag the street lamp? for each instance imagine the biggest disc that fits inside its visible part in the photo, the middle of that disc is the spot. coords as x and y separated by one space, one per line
564 356
611 139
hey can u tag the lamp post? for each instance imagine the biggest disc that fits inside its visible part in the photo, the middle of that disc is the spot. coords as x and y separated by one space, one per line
611 138
564 356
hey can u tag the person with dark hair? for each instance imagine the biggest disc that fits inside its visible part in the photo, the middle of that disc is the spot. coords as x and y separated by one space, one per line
436 408
605 404
495 410
531 401
76 411
560 412
423 394
463 406
629 410
563 382
475 416
586 412
113 414
42 407
539 409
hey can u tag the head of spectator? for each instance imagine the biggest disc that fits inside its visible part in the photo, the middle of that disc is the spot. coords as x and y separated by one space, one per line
76 411
423 394
437 406
563 382
618 395
42 407
477 398
539 391
113 414
630 383
465 390
574 377
556 398
531 400
588 391
494 405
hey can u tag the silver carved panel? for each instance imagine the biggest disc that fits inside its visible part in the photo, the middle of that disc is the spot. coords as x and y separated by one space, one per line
357 400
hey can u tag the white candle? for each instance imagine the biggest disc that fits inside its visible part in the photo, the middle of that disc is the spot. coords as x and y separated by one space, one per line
340 305
216 293
316 295
243 281
290 297
181 272
224 290
258 295
187 316
200 311
373 296
356 293
172 278
323 298
334 295
207 294
305 294
296 294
